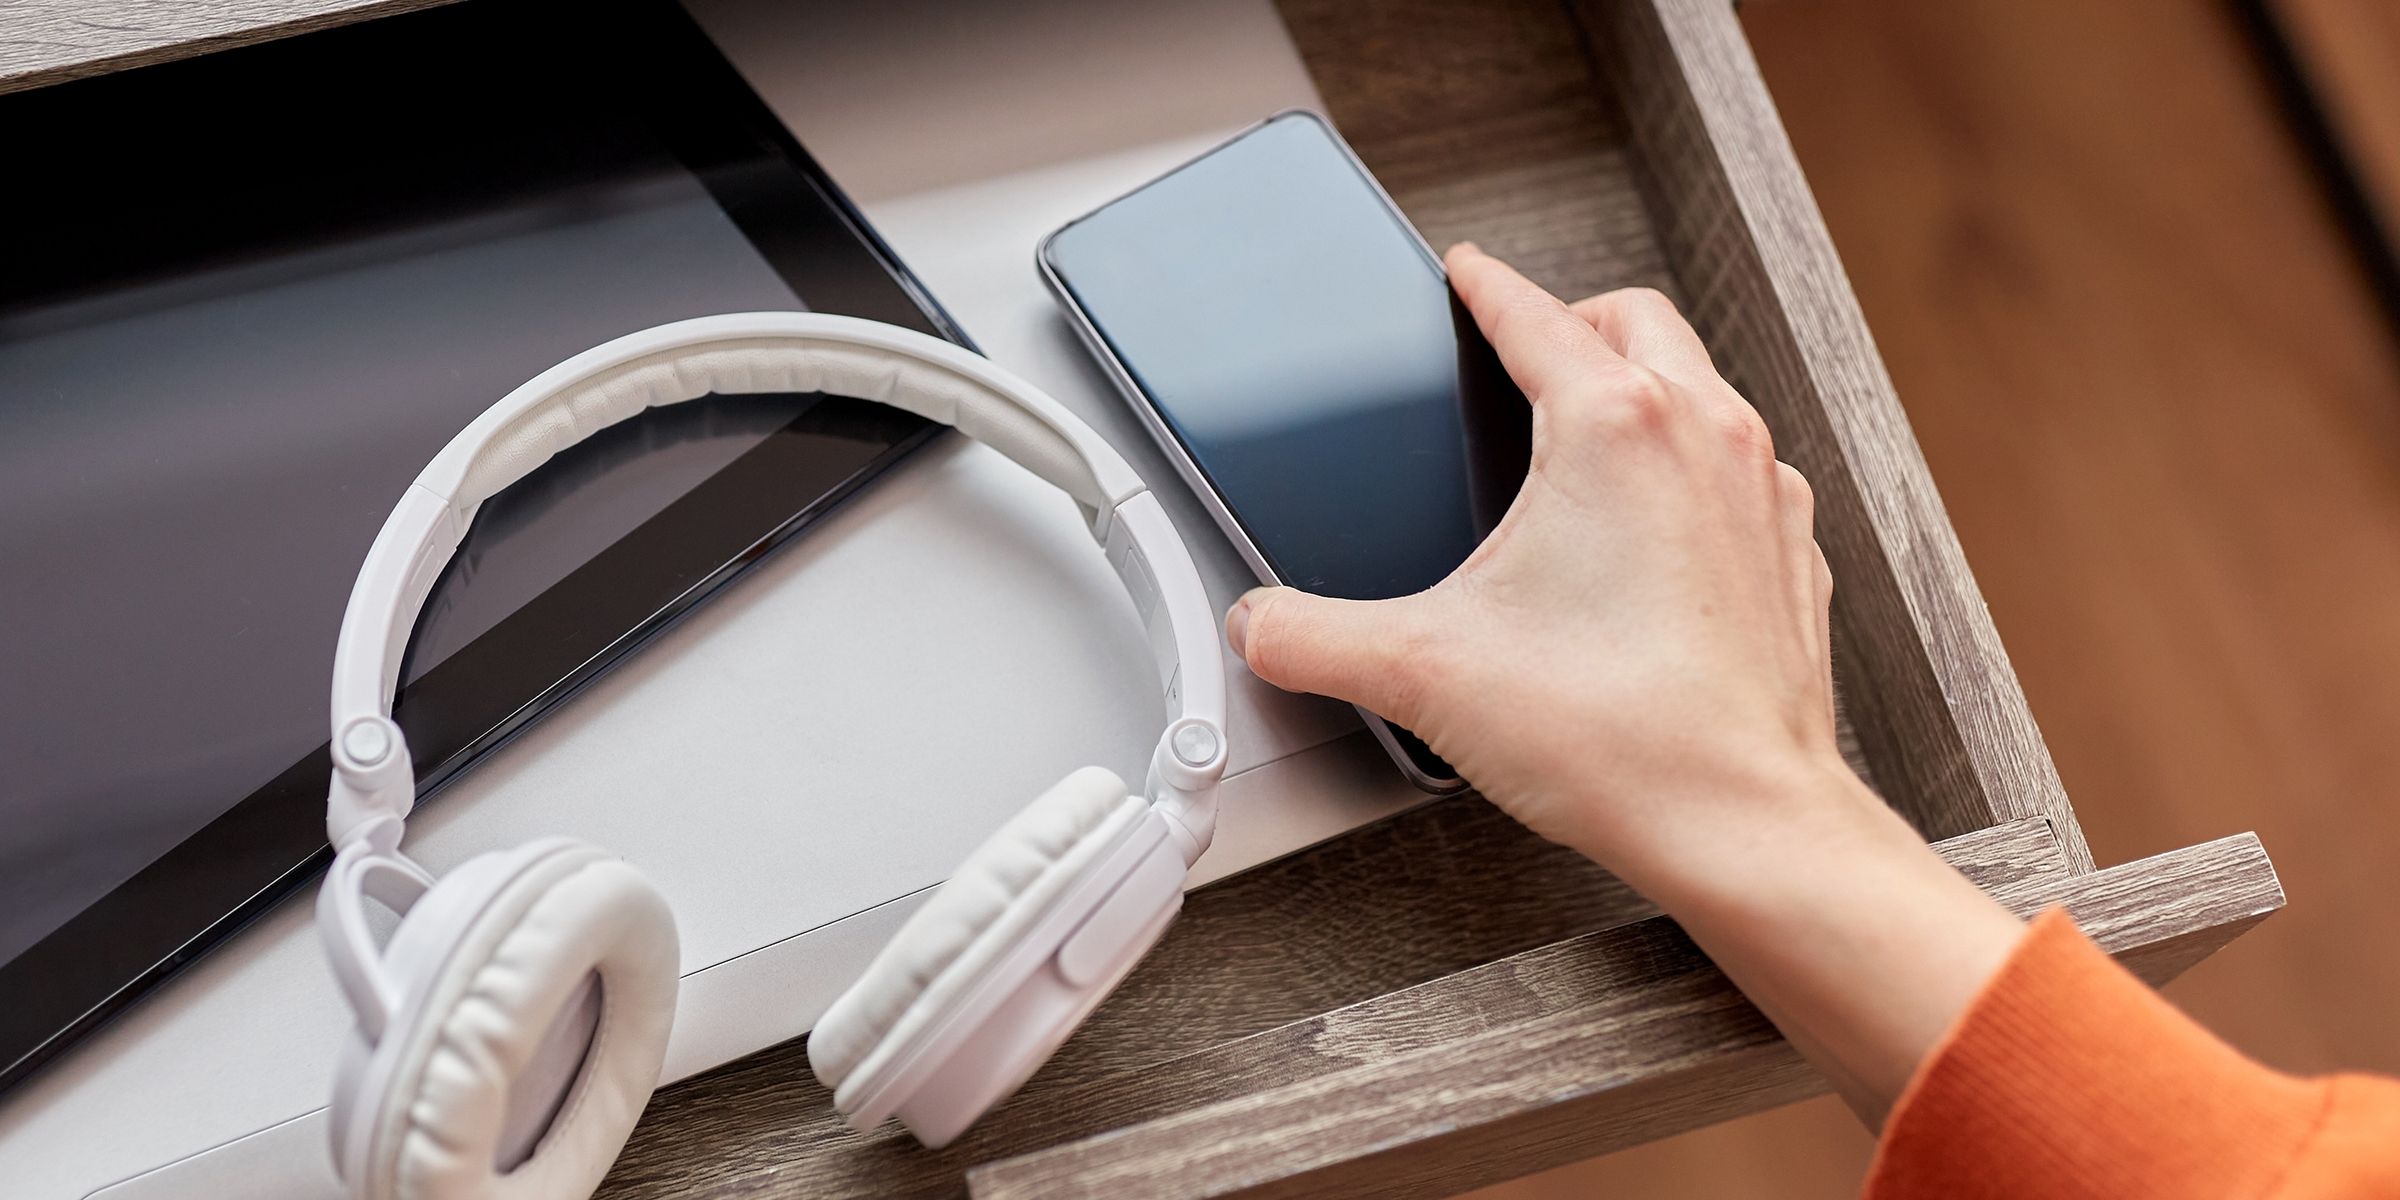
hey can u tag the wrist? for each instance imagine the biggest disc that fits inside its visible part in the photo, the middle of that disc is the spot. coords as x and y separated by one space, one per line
1732 840
1833 916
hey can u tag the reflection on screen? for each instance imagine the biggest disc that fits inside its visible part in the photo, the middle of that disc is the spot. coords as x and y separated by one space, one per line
191 470
1310 358
247 296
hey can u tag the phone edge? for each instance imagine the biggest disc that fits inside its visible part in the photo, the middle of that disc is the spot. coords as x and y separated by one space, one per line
1154 422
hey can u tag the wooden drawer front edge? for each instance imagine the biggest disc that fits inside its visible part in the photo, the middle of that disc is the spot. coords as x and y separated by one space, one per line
1928 687
1437 890
1332 959
1601 1042
1229 1009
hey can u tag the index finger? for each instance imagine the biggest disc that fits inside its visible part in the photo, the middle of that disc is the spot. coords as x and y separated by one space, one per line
1545 347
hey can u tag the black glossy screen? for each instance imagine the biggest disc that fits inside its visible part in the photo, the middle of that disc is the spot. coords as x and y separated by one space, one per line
243 300
1310 357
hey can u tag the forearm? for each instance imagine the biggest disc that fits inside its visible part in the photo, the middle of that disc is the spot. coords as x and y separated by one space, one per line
1835 918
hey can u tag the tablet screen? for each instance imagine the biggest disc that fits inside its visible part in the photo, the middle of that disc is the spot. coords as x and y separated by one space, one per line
251 296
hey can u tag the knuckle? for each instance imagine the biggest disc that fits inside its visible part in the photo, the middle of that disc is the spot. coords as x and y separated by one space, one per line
1626 401
1746 435
1639 399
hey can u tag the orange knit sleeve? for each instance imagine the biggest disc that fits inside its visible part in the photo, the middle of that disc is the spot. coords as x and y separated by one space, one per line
2069 1078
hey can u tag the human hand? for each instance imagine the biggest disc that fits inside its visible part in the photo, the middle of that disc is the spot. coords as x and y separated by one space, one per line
1636 663
1640 647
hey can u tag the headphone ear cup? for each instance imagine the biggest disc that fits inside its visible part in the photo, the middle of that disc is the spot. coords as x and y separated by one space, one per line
939 1017
1025 855
539 998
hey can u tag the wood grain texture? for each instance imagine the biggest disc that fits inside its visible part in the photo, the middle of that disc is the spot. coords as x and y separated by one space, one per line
1567 1051
1342 955
1449 936
1816 1149
1928 687
2164 410
1490 120
1435 890
43 42
1487 122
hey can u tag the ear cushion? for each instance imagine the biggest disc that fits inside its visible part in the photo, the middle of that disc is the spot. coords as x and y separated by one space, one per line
437 1120
984 908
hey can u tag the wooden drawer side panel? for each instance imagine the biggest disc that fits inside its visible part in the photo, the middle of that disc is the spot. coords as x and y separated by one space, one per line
1928 688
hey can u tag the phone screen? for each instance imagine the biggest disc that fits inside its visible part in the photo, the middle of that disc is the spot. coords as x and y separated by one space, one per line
1306 352
1308 364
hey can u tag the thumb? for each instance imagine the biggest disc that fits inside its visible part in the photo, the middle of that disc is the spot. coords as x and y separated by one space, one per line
1354 650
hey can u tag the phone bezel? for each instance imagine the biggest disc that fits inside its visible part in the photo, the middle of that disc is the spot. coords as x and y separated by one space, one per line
1154 420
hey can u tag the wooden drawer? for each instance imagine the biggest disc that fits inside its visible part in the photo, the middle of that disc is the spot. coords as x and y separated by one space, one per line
1442 1000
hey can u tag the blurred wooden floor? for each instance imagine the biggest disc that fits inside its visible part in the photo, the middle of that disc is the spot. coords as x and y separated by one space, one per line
2164 411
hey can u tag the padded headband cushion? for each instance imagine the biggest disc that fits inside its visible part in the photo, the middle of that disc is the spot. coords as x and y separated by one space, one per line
779 352
517 964
731 353
985 909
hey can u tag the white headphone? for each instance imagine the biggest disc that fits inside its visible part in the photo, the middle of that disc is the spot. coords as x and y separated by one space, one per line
509 1035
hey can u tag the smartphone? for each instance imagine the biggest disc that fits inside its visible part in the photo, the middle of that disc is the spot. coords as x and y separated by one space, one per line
1296 350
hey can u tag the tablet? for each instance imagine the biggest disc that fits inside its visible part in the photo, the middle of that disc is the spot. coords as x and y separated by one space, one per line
248 297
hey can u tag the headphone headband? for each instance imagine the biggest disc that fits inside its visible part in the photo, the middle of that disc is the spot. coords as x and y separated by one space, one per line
745 353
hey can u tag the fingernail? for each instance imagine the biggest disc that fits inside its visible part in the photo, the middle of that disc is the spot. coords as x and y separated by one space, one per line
1469 247
1237 625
